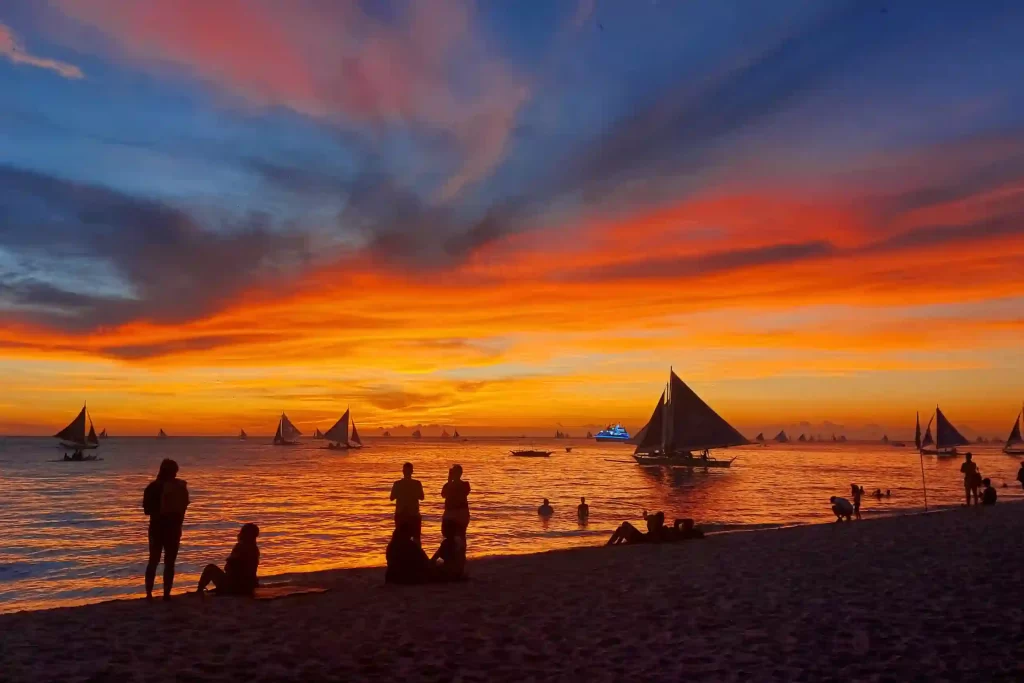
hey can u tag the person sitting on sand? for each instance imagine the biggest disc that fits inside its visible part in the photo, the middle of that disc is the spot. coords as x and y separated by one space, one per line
972 478
165 501
407 563
988 497
842 508
407 494
858 493
684 530
449 562
456 499
545 510
239 574
583 511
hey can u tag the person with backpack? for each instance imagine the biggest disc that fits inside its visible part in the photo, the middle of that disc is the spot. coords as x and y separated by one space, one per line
165 501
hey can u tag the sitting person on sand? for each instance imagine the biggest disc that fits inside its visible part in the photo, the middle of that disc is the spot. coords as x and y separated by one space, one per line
239 574
988 497
683 530
407 563
583 511
842 508
545 510
627 533
449 562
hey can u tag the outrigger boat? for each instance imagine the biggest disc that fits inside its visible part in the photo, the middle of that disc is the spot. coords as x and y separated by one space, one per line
525 453
75 437
681 424
1014 443
287 434
339 437
947 438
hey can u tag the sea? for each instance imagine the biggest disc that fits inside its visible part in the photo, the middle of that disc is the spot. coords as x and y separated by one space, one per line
74 532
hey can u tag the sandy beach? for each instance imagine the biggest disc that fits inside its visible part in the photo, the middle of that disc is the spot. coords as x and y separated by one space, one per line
906 598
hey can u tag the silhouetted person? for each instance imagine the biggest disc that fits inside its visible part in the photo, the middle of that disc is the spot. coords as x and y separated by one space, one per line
857 493
888 493
456 499
972 478
627 533
449 562
407 494
988 497
407 563
878 494
1020 475
583 511
655 525
842 508
684 529
239 574
165 501
545 509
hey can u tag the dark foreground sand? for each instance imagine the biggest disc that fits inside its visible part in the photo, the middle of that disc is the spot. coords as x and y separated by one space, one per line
902 599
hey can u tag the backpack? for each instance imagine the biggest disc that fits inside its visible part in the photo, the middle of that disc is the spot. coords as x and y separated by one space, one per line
174 499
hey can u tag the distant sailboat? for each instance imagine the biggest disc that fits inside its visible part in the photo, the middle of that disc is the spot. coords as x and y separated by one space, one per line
445 434
317 434
589 435
416 434
386 434
811 438
103 434
680 424
760 437
885 438
338 435
1014 443
161 434
802 438
242 436
287 434
946 439
782 437
456 434
75 436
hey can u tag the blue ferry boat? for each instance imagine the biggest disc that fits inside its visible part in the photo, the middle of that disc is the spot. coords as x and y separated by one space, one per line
610 433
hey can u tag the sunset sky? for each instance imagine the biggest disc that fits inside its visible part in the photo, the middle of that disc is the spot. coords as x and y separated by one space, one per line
509 215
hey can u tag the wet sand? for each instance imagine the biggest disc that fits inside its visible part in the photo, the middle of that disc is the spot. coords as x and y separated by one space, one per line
926 597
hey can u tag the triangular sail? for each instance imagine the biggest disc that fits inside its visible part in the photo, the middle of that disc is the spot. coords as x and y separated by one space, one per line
1015 437
103 434
917 433
946 435
803 437
648 439
74 432
928 440
456 434
782 437
92 438
355 436
339 432
161 434
760 437
242 434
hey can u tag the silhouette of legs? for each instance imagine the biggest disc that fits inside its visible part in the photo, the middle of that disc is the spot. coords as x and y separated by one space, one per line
155 548
626 533
171 544
212 574
167 542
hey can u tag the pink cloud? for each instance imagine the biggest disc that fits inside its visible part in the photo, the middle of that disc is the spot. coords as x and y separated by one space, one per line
15 52
333 61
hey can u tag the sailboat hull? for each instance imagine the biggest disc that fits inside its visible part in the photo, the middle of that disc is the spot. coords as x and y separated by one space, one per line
951 453
1014 451
658 460
68 446
283 442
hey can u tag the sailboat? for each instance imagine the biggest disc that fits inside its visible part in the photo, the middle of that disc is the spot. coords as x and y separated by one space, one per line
416 434
75 436
338 435
456 434
1014 443
161 434
803 438
947 438
287 434
386 434
760 437
445 434
782 437
242 436
680 424
589 435
885 438
317 434
103 434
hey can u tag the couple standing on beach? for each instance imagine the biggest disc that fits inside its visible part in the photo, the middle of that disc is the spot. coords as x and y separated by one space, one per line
408 492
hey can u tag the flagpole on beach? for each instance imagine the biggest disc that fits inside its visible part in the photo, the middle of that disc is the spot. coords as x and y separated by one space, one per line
920 455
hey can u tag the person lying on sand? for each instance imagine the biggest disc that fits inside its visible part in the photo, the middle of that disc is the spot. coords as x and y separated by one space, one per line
407 563
545 510
842 508
449 562
988 497
682 530
239 574
627 533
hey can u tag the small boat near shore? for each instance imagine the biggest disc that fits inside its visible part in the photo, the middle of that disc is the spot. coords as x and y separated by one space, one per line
680 425
1014 442
287 434
527 453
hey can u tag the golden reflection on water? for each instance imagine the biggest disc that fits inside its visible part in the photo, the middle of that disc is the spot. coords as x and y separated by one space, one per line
75 532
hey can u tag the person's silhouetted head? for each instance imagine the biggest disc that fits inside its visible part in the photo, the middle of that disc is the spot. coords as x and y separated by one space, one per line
687 524
546 501
832 499
583 500
168 469
986 481
249 532
456 472
660 517
407 469
969 457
